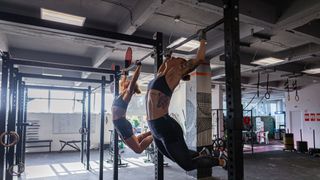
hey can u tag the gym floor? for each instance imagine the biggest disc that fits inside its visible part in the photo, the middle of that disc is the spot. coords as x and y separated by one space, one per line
272 165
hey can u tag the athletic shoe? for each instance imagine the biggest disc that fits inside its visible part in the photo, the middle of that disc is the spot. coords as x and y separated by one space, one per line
224 157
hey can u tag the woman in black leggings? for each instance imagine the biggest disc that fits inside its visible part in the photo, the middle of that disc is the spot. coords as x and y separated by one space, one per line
167 133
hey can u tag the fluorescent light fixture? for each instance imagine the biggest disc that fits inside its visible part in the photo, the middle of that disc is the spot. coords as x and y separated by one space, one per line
214 66
188 47
267 61
312 71
54 75
62 17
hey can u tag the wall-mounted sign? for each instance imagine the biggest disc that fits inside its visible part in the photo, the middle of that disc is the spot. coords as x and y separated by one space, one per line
306 117
312 117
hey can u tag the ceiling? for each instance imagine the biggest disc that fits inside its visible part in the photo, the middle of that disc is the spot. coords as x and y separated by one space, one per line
286 29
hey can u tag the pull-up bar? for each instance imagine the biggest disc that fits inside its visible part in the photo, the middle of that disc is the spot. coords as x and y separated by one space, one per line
205 30
60 66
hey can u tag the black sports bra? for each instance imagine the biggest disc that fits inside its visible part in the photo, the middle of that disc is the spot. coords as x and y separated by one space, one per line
119 102
161 85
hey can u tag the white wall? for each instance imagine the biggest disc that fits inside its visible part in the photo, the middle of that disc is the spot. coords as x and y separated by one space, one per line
177 108
46 131
309 103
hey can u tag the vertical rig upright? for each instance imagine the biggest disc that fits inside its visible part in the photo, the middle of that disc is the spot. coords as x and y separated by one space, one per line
89 128
158 59
83 130
24 120
20 119
233 89
11 124
115 133
102 121
3 111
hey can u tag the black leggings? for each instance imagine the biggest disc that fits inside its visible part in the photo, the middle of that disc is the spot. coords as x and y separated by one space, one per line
168 136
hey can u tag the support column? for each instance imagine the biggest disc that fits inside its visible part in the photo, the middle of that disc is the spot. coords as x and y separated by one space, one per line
198 114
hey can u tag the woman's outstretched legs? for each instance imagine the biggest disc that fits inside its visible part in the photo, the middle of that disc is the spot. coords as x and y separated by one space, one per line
136 146
168 136
143 136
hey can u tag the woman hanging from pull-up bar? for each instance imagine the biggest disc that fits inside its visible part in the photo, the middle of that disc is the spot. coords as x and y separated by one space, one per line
119 107
167 133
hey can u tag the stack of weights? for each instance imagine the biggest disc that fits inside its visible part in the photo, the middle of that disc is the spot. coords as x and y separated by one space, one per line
302 146
288 142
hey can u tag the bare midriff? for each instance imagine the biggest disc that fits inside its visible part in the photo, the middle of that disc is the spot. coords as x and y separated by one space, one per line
157 104
118 113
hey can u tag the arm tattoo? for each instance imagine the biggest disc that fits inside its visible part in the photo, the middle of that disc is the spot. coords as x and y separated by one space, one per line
163 101
190 66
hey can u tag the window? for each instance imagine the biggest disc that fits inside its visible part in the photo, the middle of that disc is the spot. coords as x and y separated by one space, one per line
38 100
61 106
61 94
38 93
61 101
58 101
78 102
38 105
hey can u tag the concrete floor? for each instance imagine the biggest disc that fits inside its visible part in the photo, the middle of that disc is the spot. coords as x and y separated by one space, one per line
274 165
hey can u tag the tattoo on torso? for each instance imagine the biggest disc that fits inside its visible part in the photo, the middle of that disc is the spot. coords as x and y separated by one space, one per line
163 101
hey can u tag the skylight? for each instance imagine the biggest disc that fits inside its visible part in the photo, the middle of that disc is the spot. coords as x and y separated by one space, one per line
187 47
312 71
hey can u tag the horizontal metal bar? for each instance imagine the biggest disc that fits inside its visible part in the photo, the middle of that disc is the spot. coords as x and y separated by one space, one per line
140 60
214 25
39 76
208 28
59 66
55 88
84 32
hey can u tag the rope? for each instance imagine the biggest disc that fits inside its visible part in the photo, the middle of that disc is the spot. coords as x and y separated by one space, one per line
250 102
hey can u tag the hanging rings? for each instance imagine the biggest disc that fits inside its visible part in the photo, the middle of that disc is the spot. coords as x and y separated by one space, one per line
20 169
295 87
267 94
12 136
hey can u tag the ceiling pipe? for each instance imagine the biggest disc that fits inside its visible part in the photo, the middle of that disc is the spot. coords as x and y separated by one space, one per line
297 54
250 86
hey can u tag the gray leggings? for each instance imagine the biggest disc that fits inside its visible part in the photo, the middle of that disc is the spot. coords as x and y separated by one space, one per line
168 136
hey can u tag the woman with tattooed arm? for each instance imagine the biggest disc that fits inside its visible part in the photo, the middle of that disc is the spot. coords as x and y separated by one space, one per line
167 133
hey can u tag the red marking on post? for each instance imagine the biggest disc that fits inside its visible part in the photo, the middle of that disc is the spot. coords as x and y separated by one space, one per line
113 67
200 74
128 57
